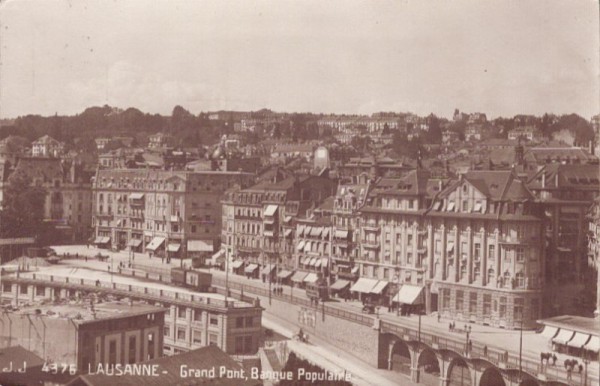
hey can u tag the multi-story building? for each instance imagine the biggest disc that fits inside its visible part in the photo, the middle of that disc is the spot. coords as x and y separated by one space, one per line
46 146
350 197
68 202
258 221
160 141
164 213
85 335
594 248
392 237
484 255
530 133
566 193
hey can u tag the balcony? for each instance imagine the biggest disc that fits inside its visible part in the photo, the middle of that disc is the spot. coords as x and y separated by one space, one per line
373 227
372 244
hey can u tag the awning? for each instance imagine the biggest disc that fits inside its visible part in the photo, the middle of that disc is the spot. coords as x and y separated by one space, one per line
324 262
340 285
155 243
174 219
268 233
300 245
287 232
299 276
270 211
220 255
563 336
310 278
450 247
307 246
477 207
269 220
312 261
341 234
236 264
354 270
325 232
199 246
251 268
593 344
364 285
379 287
305 260
136 196
134 243
300 230
409 294
287 218
317 262
307 230
173 247
267 269
451 206
316 231
579 340
549 332
102 240
284 274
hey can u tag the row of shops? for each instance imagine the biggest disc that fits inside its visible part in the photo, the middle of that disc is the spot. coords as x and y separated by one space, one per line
160 247
573 335
369 291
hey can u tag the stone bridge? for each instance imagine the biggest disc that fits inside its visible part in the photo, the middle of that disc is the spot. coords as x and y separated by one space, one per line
437 361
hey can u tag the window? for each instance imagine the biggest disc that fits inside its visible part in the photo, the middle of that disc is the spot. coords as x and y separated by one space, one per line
520 279
180 333
491 275
167 331
6 287
40 290
445 298
535 306
112 352
487 305
518 309
197 336
476 272
213 339
214 321
132 350
520 254
491 252
463 270
477 251
24 289
249 321
460 298
239 322
473 302
197 315
181 312
502 307
150 346
465 205
438 246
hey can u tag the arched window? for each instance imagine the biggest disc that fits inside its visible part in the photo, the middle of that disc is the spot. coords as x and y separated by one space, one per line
491 275
476 273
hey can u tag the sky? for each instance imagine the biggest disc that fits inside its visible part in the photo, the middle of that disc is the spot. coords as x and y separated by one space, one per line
500 57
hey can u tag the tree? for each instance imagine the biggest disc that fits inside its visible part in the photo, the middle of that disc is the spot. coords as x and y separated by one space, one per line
361 143
22 208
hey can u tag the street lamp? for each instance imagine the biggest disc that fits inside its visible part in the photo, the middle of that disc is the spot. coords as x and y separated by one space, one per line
586 361
521 348
468 331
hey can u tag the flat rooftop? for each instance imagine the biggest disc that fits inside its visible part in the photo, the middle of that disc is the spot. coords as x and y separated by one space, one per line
575 323
84 310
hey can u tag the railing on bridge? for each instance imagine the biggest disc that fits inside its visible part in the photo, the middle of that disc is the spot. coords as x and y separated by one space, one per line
127 289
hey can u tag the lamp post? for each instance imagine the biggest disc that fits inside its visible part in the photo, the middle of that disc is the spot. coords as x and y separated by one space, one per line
468 331
398 287
586 361
521 348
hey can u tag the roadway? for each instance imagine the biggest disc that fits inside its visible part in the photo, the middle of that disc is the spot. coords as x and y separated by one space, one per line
533 343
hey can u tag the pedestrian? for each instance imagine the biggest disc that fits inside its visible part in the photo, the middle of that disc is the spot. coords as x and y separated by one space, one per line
569 373
542 356
554 358
450 326
580 367
485 350
439 317
86 258
470 345
109 268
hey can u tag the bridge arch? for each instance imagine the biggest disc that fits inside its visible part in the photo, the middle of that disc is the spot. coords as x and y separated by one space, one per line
400 357
429 367
459 373
491 377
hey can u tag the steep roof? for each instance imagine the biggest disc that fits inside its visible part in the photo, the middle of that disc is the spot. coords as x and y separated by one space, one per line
497 185
557 176
37 168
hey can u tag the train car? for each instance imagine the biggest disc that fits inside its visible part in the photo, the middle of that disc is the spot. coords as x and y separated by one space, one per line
318 290
197 280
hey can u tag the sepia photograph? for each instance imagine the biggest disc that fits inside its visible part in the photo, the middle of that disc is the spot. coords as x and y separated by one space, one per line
282 193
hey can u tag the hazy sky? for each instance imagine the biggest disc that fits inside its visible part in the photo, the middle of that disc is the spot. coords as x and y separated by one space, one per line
501 57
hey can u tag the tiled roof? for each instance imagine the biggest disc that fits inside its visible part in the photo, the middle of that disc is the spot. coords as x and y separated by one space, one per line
557 176
45 169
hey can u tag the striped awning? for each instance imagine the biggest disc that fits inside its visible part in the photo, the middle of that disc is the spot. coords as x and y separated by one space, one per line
299 276
364 285
155 243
